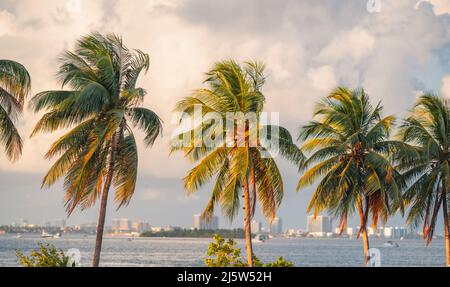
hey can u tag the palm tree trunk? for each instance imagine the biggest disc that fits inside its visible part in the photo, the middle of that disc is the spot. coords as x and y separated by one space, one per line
365 238
363 233
248 231
447 229
102 215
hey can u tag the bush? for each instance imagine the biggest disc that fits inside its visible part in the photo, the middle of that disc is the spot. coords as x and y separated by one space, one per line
45 256
223 253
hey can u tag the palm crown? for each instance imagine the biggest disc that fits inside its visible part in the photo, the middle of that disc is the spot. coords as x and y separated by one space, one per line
101 107
14 86
426 162
238 158
233 89
349 147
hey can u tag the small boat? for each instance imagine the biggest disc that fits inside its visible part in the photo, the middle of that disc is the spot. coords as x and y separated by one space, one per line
57 235
258 239
46 235
391 244
18 236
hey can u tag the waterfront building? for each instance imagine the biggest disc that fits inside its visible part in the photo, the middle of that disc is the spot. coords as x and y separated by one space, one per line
319 224
121 225
201 224
256 226
140 226
277 226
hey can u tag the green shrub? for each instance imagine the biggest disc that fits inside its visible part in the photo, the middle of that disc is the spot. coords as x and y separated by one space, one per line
280 262
223 253
45 256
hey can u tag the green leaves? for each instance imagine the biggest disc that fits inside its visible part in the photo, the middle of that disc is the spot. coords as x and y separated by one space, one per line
231 162
15 83
9 136
224 253
101 103
46 256
148 121
14 79
350 157
425 161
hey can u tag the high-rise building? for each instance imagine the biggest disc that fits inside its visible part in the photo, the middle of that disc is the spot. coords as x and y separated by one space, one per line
198 221
319 224
256 226
388 232
115 225
350 231
140 226
277 226
121 225
201 224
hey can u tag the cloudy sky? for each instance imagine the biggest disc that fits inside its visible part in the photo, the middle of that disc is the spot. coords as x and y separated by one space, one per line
309 47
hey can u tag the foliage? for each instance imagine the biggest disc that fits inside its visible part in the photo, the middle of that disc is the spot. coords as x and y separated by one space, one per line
280 262
15 84
233 88
350 155
101 106
46 256
196 233
223 253
425 160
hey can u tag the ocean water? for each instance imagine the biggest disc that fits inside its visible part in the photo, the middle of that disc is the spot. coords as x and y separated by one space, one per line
187 252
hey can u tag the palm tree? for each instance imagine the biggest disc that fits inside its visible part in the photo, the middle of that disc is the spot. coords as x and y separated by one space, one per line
426 162
238 164
348 146
100 151
14 86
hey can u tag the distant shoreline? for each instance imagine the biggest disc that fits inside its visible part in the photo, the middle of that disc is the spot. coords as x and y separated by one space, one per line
195 233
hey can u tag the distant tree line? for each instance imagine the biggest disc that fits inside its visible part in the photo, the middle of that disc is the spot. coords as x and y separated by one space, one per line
228 233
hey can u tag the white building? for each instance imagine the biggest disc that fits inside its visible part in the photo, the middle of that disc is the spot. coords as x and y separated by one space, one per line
201 224
140 226
388 232
256 226
319 224
350 231
121 225
277 226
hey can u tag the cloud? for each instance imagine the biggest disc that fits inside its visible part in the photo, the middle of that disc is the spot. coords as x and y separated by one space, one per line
355 44
6 24
439 6
322 78
445 88
151 195
308 46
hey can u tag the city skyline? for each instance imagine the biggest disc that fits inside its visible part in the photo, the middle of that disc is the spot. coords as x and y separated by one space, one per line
317 226
296 59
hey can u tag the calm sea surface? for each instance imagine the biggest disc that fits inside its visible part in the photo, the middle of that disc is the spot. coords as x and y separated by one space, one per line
191 251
